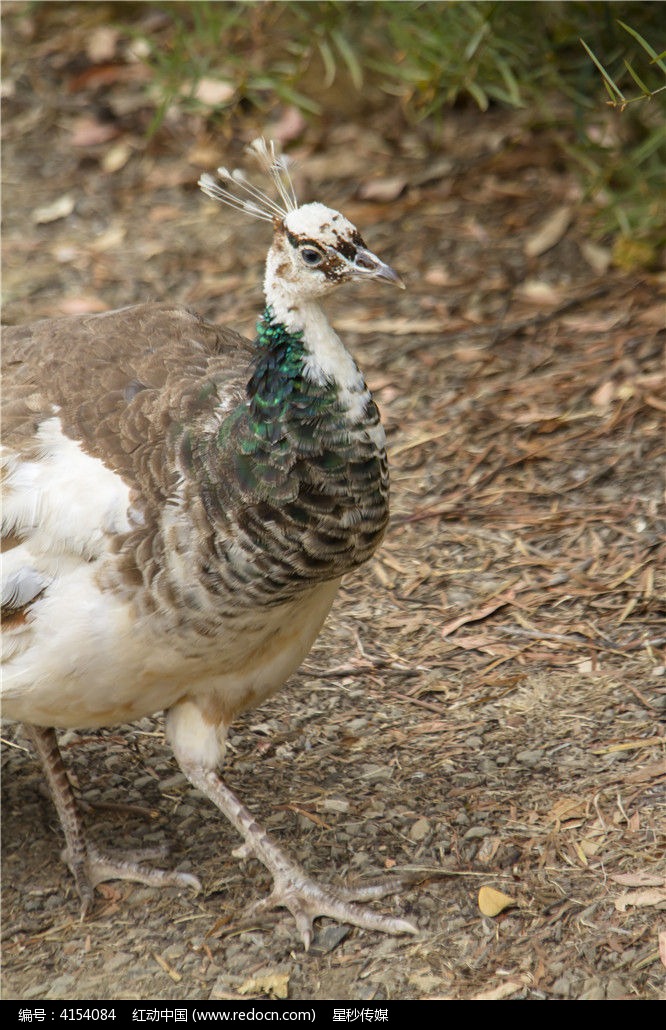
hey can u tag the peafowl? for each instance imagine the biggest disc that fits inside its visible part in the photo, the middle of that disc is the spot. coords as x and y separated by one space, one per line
180 505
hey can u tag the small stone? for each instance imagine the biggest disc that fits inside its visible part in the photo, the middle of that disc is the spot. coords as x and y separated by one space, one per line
225 986
335 805
477 831
174 782
419 830
61 987
373 773
117 961
562 986
329 938
593 990
530 758
173 952
37 991
616 989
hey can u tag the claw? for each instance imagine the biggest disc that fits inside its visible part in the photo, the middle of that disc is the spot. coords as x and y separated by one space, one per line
96 868
292 889
308 901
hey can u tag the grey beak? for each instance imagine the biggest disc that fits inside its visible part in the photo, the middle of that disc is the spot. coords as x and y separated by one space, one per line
368 264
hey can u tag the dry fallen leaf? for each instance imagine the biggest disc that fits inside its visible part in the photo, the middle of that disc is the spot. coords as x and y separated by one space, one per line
424 981
603 395
504 990
641 899
213 92
396 326
598 258
89 132
568 808
489 848
108 240
289 126
594 323
581 854
662 946
476 643
535 291
101 43
588 847
643 878
437 275
492 902
116 157
276 984
549 232
655 315
82 305
204 155
60 208
481 613
382 190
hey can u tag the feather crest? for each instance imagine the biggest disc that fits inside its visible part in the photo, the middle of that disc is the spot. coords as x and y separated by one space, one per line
235 190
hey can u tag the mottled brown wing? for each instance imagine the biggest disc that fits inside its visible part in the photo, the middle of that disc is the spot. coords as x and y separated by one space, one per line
121 383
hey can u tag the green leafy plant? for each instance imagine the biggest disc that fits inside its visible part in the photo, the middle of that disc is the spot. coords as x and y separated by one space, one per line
630 175
264 51
616 96
330 57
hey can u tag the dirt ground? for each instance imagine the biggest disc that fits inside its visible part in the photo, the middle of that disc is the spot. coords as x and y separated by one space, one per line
484 709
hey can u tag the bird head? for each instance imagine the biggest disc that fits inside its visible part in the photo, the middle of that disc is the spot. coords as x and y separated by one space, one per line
314 248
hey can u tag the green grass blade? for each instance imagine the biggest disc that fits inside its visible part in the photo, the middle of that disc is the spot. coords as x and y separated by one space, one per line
475 42
610 85
328 61
511 83
645 90
475 90
646 46
349 57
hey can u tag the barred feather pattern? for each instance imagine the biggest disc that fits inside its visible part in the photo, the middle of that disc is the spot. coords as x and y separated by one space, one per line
307 497
249 483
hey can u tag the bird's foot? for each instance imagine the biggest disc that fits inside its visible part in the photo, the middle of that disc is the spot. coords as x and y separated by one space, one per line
307 900
292 889
95 867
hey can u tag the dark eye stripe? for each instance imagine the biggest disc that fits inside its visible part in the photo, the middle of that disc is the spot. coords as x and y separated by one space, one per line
347 249
295 241
343 246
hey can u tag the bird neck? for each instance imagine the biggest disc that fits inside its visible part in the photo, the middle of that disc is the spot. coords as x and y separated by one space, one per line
304 492
303 368
325 358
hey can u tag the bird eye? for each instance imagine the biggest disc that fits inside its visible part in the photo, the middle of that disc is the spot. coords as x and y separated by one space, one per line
311 256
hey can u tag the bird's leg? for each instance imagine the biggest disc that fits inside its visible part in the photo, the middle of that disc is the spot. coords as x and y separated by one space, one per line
89 866
292 888
46 745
